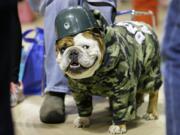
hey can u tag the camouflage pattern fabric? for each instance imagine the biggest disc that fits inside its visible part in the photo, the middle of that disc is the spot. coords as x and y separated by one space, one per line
131 64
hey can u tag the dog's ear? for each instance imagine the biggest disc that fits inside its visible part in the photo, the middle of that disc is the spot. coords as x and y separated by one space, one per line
96 32
99 37
56 49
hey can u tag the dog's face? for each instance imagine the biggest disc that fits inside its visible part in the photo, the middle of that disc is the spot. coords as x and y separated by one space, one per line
81 55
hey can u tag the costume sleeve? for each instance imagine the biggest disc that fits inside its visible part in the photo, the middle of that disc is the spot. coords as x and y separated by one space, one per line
84 103
82 98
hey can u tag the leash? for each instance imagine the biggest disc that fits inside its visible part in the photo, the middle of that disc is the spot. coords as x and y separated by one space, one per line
137 13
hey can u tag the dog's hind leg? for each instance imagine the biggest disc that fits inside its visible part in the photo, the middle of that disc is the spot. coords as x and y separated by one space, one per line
152 112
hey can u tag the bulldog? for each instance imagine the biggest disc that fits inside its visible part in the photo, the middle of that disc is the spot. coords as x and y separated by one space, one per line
121 62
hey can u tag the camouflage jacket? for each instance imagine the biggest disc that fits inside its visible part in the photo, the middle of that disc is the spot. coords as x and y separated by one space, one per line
131 64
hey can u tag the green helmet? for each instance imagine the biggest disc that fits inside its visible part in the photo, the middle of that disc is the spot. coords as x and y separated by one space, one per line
73 20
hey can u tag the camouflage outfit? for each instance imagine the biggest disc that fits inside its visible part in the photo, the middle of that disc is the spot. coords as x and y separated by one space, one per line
131 64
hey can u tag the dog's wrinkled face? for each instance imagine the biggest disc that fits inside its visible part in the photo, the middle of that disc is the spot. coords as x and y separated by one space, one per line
80 56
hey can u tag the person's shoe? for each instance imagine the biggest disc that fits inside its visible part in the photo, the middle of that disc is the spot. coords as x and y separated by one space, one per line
16 91
53 109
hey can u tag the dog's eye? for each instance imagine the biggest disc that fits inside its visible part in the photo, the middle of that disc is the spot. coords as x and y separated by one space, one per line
85 46
63 49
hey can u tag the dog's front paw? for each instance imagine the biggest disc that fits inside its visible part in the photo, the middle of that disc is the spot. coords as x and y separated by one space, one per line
117 129
150 116
81 122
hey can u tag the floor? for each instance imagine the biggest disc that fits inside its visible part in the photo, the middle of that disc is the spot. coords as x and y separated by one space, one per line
26 114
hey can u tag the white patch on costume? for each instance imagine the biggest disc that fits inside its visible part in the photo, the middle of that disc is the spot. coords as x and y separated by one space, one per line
139 37
146 30
131 29
128 26
121 24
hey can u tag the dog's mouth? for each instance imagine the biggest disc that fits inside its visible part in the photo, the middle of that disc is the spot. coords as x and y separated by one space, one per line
76 67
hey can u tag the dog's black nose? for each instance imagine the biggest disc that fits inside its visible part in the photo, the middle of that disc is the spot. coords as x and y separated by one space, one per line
73 55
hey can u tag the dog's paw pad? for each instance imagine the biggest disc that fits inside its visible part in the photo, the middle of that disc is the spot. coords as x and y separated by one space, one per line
117 129
81 122
150 116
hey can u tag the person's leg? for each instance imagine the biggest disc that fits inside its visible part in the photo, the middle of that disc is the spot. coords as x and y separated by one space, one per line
170 68
172 92
16 86
52 109
7 35
6 127
16 48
